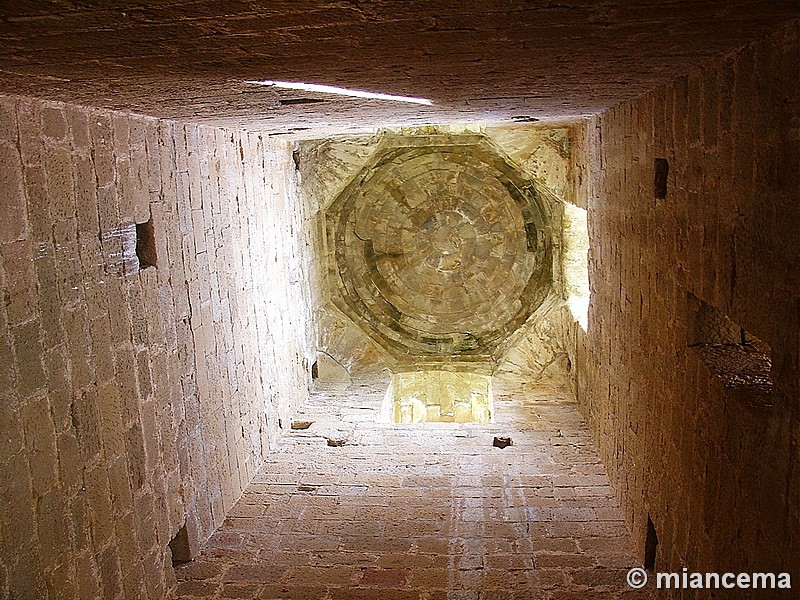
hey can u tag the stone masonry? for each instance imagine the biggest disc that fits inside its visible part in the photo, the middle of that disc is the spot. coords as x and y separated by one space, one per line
432 512
135 405
163 308
716 474
387 306
478 62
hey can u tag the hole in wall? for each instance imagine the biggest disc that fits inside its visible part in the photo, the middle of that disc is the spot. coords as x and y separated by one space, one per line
650 546
531 236
326 371
732 354
290 101
661 176
146 244
502 441
330 89
129 248
179 546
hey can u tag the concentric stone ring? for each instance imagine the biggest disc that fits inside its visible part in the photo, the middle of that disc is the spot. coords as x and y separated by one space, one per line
442 249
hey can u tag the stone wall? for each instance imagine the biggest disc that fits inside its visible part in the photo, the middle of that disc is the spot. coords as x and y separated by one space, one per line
137 403
478 62
715 472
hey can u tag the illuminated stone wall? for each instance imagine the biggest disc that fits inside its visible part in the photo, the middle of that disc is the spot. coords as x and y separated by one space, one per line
439 397
137 403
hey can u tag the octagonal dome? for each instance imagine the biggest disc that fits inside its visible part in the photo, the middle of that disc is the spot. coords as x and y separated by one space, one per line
441 248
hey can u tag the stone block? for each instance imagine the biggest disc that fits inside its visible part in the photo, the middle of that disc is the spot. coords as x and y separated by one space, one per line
98 493
12 438
61 582
30 131
28 578
102 138
87 424
112 427
110 573
76 328
118 312
40 440
53 528
78 120
13 220
80 520
87 576
60 186
20 281
125 376
54 124
120 482
49 303
8 375
70 466
130 554
108 210
18 517
69 271
8 119
136 457
86 198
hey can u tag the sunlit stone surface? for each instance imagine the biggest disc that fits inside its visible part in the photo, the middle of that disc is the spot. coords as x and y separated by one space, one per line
439 397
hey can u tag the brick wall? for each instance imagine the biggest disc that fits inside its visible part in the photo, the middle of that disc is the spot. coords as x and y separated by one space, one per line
718 476
134 403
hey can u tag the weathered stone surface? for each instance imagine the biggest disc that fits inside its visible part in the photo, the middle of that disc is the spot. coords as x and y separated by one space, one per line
477 62
400 511
93 381
441 249
136 405
332 169
715 474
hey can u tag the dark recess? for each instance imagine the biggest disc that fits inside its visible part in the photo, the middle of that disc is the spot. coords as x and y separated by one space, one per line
289 101
179 546
146 244
662 173
650 546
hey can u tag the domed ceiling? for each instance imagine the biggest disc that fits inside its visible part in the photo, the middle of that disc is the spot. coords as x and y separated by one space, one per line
440 248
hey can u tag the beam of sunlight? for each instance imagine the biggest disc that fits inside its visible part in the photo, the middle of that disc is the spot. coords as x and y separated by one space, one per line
576 262
329 89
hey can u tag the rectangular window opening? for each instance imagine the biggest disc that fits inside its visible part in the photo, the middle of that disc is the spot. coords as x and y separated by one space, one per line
438 397
575 262
735 356
146 244
662 174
